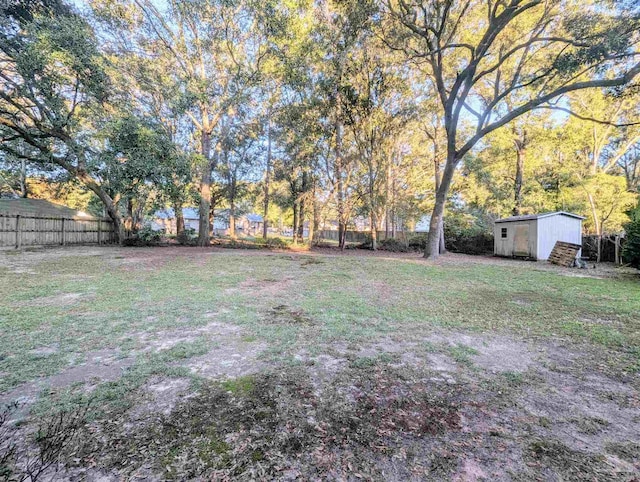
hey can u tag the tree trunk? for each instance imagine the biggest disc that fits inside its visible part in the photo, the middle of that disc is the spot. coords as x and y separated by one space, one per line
373 231
177 209
108 202
232 217
296 220
432 249
441 245
24 192
517 187
387 200
128 220
342 228
315 226
266 181
301 207
112 211
204 225
394 221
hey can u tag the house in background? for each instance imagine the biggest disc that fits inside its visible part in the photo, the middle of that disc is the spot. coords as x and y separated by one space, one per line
165 220
249 225
534 236
246 225
422 226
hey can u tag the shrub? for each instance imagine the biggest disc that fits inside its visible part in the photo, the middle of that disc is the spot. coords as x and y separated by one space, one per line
393 245
187 237
417 241
631 250
469 242
145 236
462 236
276 243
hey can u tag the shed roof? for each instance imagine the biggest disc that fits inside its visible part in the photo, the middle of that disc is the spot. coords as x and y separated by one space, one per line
39 207
529 217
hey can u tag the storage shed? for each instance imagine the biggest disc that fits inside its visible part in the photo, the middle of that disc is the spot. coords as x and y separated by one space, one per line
534 236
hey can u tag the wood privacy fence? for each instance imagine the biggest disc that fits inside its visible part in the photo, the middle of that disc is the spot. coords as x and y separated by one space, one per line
17 230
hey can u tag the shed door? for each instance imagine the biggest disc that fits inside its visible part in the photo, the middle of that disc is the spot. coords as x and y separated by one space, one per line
521 240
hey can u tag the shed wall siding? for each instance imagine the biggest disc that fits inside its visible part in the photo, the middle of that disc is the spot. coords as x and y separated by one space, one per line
506 246
557 228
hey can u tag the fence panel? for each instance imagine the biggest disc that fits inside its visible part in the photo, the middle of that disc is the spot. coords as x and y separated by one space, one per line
17 231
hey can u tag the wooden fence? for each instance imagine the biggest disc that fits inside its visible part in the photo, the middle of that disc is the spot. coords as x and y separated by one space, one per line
17 230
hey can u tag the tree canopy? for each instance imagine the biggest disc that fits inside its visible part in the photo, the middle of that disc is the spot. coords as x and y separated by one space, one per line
375 115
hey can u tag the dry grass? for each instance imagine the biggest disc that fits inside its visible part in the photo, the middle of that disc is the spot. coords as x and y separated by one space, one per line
231 364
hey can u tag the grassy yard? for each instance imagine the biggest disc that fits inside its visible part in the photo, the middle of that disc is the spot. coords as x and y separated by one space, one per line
228 364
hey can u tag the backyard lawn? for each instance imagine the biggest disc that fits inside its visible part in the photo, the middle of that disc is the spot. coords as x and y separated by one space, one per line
220 364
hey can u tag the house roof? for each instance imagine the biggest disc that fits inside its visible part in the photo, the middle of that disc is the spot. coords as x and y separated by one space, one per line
254 218
39 207
530 217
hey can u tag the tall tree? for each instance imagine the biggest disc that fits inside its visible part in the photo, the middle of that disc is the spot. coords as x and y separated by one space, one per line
53 84
549 48
216 53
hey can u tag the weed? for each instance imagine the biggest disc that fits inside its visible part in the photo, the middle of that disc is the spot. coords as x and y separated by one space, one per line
310 260
513 379
239 386
590 425
569 464
462 353
285 314
626 450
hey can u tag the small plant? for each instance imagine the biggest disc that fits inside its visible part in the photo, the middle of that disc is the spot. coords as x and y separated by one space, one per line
145 236
55 434
187 237
462 353
276 243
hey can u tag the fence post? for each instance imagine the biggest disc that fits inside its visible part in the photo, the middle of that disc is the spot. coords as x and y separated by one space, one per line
62 232
18 233
99 232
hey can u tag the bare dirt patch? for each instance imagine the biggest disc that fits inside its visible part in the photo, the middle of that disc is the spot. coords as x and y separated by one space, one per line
276 425
380 421
232 358
159 397
64 299
265 287
100 366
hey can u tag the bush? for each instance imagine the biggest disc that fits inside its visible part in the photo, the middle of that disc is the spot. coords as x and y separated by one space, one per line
469 242
631 250
463 236
187 237
393 245
276 243
145 236
417 241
